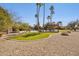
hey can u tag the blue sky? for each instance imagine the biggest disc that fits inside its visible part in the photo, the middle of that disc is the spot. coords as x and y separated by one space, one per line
63 11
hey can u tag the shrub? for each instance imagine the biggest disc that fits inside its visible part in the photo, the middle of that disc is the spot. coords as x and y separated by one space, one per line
1 34
64 34
68 31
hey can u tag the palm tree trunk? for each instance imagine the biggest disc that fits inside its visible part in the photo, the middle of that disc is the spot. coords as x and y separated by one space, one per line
51 18
43 16
38 17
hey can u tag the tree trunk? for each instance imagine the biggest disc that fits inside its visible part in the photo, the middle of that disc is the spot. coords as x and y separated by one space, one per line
43 16
51 18
38 8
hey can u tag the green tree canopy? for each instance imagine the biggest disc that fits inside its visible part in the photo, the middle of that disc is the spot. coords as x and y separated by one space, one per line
5 20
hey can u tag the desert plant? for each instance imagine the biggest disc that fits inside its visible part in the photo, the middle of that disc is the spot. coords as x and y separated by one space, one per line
64 34
1 34
68 31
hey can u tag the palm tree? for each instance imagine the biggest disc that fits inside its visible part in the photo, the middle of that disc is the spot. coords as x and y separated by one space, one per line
51 11
36 17
49 19
43 15
38 11
60 23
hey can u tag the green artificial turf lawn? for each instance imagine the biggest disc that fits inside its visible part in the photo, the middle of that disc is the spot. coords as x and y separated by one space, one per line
31 36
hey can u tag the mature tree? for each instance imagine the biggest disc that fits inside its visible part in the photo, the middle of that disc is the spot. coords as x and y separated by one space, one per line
73 25
15 27
5 20
51 11
24 27
43 15
38 11
20 26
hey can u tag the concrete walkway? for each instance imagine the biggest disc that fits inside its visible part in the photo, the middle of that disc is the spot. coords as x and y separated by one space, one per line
55 45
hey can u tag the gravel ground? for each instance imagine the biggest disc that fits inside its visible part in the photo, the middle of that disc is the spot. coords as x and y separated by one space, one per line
54 46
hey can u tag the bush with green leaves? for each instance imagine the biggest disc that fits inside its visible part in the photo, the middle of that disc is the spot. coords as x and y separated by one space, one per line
19 26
